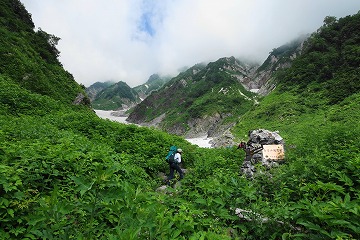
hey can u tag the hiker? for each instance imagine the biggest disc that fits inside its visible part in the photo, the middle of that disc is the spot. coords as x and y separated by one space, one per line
249 151
175 165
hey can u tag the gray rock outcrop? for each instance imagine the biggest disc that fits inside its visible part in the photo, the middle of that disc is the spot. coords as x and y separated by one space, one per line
81 99
253 148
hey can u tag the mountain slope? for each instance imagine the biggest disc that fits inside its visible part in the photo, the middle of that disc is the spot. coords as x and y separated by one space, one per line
198 99
316 108
119 96
324 77
154 82
97 87
116 96
207 100
331 63
278 59
30 58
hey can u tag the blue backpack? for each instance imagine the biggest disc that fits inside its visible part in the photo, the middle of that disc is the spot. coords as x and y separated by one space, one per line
171 154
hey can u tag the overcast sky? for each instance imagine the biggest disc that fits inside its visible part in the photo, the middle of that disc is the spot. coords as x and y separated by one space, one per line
128 40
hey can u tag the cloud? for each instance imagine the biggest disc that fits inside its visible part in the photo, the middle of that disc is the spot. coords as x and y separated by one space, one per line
129 40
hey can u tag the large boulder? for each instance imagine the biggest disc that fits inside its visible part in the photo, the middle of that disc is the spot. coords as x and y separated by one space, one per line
257 141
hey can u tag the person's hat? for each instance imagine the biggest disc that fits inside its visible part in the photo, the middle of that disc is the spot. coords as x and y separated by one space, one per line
179 150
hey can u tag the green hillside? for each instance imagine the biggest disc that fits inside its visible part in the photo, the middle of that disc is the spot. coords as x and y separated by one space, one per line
199 92
154 82
67 174
316 108
97 87
284 53
115 96
30 58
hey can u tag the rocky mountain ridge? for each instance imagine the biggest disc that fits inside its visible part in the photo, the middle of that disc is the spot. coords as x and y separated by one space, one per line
154 83
119 96
182 105
193 103
97 87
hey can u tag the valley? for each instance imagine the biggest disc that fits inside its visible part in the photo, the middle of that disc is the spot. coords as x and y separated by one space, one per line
202 141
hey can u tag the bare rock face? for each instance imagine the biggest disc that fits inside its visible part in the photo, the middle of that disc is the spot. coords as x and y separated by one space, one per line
155 122
262 136
81 99
224 140
201 126
210 126
254 154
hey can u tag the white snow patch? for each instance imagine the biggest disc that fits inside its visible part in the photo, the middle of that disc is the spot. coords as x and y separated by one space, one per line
246 97
203 142
223 90
108 115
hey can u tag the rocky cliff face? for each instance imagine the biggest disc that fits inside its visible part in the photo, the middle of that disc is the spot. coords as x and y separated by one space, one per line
279 58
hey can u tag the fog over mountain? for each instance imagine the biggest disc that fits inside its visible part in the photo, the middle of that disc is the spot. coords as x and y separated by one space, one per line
129 40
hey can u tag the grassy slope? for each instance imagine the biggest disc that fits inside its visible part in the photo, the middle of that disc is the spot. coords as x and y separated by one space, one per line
30 58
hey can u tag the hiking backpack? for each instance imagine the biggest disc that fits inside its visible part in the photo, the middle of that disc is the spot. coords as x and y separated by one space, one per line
171 154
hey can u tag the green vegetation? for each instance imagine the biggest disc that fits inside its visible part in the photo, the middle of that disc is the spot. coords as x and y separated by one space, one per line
154 83
115 96
199 92
30 58
331 61
96 88
71 174
318 186
66 174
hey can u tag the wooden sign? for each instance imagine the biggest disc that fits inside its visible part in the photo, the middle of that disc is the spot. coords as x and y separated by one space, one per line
273 152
